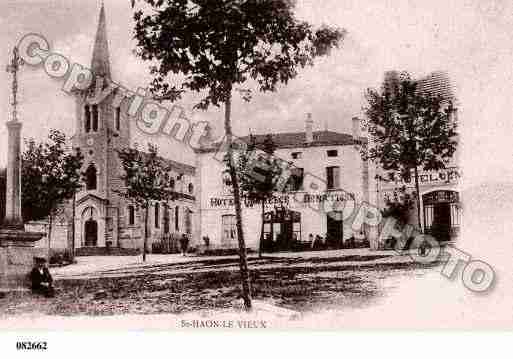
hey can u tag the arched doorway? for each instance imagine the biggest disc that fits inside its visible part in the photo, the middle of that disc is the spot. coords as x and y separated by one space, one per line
90 227
282 229
91 233
441 214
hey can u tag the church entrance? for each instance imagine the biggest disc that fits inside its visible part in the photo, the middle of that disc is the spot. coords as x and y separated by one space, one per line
90 227
91 233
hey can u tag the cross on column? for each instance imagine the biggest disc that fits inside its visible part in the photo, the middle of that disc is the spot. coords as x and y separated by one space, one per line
13 67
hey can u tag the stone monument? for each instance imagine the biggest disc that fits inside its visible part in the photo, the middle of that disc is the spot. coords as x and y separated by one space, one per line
16 245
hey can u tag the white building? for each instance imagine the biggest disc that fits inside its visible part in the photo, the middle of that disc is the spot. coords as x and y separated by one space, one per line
327 171
440 206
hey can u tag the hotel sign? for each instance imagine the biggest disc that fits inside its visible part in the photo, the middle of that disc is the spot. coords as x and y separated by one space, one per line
286 199
445 176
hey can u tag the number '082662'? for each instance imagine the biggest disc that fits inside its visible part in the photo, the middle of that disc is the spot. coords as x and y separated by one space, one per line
31 345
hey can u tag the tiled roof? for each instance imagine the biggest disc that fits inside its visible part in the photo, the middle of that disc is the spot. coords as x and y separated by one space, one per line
298 140
437 83
175 166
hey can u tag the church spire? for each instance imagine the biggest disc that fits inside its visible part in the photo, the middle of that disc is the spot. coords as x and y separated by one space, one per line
100 64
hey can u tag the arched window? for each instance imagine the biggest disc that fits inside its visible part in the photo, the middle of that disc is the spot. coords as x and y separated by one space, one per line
157 215
91 177
95 118
87 119
166 219
118 118
177 212
172 183
131 215
191 188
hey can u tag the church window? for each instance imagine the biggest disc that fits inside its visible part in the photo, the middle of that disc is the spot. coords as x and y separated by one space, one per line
95 118
131 215
87 119
177 212
191 188
157 215
166 219
118 118
91 177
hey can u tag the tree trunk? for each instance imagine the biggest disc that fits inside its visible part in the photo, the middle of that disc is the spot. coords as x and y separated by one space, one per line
243 262
261 243
145 241
73 229
49 236
417 190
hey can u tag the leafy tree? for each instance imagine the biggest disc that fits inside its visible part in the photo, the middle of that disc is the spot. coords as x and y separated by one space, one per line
258 171
410 129
147 179
50 177
217 45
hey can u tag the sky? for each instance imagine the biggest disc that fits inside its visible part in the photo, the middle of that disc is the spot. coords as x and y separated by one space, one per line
469 39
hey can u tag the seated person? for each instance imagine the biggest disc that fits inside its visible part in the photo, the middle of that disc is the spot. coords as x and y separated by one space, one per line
41 278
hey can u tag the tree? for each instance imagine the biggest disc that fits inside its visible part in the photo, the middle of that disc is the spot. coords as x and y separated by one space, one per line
258 171
50 177
217 45
410 129
147 179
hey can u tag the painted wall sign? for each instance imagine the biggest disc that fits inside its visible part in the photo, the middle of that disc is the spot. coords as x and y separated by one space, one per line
285 199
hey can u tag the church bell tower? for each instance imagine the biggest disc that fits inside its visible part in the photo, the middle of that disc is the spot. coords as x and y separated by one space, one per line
101 129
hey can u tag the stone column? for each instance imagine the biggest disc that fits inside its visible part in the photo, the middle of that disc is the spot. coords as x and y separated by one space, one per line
13 216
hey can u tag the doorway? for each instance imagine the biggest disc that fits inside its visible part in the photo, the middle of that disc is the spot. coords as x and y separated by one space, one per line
91 233
334 229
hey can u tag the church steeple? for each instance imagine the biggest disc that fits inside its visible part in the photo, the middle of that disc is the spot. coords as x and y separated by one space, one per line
100 64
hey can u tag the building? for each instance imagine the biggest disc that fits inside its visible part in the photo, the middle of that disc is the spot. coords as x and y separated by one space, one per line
103 218
439 193
327 171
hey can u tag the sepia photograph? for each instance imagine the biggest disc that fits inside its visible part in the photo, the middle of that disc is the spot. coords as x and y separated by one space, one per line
234 165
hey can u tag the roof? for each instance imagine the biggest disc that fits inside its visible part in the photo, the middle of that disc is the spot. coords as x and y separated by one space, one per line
298 140
175 166
100 63
437 83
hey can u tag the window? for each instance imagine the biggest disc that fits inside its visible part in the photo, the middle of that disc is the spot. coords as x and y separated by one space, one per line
118 118
229 227
297 155
332 177
166 219
95 118
188 221
332 153
191 188
227 185
87 119
172 183
91 177
296 179
177 211
157 215
131 215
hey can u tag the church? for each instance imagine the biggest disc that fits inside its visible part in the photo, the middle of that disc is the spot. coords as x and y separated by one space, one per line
103 219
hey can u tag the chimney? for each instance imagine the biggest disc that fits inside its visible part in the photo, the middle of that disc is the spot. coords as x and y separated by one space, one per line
356 129
308 128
